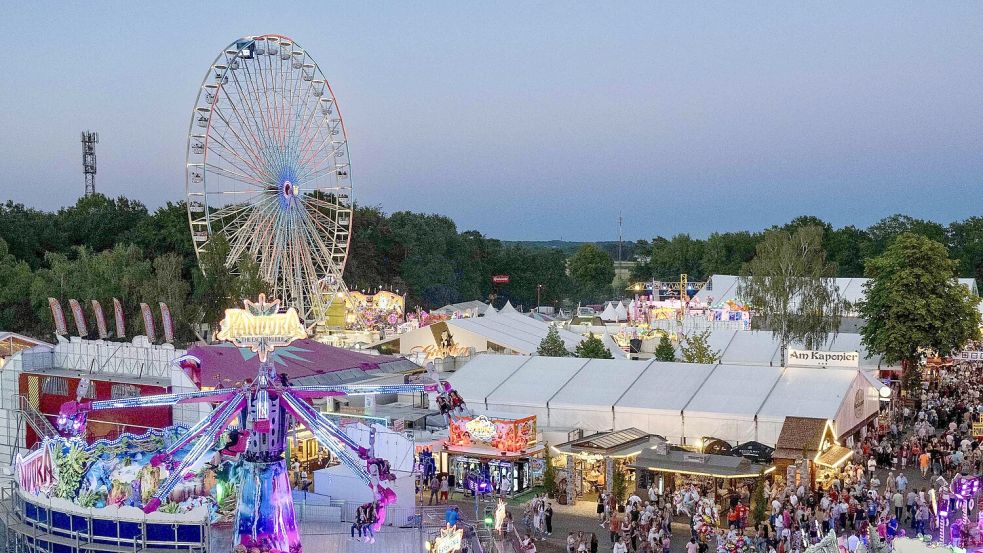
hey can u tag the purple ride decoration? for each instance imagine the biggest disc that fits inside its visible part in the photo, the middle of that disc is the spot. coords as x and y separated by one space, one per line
265 512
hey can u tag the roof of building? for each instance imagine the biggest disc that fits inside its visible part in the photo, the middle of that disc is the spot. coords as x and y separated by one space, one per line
11 343
305 362
799 434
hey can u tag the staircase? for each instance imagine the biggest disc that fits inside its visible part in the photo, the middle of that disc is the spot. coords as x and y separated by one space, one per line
33 417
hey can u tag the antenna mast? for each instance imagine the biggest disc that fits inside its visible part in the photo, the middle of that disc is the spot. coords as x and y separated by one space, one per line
89 140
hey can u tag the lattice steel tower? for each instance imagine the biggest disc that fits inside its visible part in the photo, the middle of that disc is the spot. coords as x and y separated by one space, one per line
89 140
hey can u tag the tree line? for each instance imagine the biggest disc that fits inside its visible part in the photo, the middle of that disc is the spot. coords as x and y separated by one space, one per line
849 247
101 247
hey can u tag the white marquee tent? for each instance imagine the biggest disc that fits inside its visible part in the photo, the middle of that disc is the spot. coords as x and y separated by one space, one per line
680 401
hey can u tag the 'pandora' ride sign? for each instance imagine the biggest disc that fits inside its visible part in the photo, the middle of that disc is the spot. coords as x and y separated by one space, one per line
813 358
261 327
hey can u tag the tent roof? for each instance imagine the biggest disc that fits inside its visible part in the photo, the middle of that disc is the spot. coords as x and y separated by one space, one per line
664 386
11 343
827 387
598 384
735 389
724 287
609 313
621 311
536 381
489 372
514 330
507 309
304 361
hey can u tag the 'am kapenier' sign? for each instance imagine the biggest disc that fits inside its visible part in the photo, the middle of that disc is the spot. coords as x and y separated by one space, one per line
814 358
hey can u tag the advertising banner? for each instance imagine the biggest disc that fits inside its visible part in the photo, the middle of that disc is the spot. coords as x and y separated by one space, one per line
148 322
167 323
79 316
58 314
100 319
120 320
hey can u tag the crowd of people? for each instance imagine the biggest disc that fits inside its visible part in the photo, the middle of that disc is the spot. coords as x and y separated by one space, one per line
928 439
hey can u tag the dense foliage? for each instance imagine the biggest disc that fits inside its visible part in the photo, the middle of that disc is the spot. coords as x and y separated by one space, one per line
848 247
915 304
790 287
695 348
102 248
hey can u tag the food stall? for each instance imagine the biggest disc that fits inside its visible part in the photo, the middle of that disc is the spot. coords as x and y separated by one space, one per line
501 449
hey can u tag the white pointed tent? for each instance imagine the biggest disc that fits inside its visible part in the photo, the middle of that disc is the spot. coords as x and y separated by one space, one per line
508 309
609 314
621 312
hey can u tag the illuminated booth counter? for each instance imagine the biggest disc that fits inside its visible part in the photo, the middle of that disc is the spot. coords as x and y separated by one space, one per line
500 449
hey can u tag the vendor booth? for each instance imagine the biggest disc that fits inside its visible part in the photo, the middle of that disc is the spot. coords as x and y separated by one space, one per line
812 443
670 470
499 449
590 461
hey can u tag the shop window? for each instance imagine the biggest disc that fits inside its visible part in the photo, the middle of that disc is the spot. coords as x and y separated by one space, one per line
122 391
55 385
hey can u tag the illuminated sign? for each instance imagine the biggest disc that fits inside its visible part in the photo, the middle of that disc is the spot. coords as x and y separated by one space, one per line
260 327
35 473
481 428
449 540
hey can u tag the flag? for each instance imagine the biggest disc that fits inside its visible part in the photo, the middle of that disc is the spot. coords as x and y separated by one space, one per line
100 319
148 322
120 321
58 314
167 322
79 317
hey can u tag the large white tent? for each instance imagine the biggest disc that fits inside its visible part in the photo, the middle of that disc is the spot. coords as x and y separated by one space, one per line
721 288
681 401
507 331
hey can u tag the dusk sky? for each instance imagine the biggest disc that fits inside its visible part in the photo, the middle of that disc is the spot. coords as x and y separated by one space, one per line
536 121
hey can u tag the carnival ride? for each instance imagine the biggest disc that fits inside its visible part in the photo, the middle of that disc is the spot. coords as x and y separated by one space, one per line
265 511
267 171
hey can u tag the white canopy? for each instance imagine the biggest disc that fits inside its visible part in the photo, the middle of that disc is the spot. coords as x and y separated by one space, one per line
735 403
609 313
508 309
621 312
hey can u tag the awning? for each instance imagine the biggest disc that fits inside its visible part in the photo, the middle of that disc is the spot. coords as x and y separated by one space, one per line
492 453
835 456
718 466
621 443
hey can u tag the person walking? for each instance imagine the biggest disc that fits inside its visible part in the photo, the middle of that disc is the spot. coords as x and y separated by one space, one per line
434 491
444 488
548 519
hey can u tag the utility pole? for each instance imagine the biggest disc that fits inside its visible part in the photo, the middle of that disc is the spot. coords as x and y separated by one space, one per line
621 240
539 288
89 141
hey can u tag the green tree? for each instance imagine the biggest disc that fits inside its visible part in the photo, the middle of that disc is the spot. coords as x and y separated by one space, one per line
888 229
695 348
665 351
967 246
593 348
15 293
682 254
619 484
549 472
552 345
791 288
725 253
219 285
592 271
914 304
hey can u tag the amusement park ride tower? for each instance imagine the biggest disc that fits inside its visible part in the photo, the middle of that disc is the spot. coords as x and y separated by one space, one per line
265 511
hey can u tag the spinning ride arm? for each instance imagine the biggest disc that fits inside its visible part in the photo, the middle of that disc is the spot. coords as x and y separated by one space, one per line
72 415
207 434
312 392
329 435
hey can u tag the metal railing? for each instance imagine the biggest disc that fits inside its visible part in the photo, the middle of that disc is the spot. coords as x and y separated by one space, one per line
116 363
33 417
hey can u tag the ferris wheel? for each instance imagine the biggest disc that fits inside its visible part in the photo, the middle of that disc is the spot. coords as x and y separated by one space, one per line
268 170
